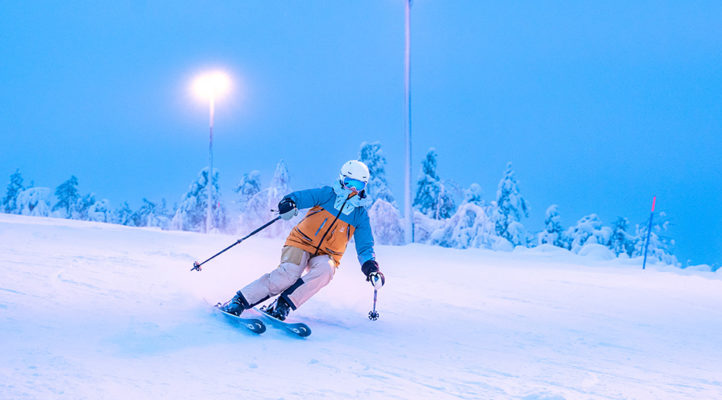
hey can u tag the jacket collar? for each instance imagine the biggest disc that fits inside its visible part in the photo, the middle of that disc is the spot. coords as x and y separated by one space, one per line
354 202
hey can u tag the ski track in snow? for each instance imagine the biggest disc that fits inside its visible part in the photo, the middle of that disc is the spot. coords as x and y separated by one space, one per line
91 311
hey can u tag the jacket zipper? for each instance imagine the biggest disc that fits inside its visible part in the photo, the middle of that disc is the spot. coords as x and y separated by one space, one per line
331 226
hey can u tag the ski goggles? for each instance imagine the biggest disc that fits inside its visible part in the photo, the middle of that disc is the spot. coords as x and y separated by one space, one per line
353 184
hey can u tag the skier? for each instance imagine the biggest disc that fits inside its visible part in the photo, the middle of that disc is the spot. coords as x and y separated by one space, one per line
316 244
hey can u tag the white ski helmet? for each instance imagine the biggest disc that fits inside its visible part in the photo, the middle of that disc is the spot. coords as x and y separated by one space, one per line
355 169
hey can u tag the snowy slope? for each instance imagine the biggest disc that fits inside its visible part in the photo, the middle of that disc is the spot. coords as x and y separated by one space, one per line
91 311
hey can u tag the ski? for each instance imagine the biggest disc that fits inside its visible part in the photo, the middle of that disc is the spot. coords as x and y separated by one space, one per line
254 325
297 328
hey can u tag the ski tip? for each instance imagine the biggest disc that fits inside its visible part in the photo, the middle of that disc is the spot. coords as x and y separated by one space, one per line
296 329
256 326
301 330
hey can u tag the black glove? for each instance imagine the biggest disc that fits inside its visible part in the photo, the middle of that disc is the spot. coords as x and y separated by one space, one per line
287 209
371 269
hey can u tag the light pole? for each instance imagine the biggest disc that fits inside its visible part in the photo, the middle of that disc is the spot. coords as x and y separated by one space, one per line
409 228
211 86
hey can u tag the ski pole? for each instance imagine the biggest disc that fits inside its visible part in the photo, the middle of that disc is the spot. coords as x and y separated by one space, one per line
373 314
197 266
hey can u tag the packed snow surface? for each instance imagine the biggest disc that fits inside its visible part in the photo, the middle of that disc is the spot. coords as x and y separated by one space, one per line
98 311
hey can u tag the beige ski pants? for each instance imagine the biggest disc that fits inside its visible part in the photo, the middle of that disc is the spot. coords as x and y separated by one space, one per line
287 281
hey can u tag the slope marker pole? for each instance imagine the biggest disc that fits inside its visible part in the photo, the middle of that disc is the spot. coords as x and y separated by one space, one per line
649 233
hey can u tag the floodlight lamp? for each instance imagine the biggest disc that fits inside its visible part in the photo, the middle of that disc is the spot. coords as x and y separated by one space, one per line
212 85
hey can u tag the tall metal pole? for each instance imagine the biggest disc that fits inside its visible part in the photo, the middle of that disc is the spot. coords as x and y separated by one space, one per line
409 228
209 212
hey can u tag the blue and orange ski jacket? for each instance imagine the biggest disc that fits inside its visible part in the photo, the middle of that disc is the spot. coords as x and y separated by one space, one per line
336 214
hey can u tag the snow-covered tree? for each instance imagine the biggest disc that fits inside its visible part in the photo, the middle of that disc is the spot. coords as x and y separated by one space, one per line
100 211
248 186
424 227
621 242
516 234
15 186
473 195
258 209
34 202
82 207
432 198
163 215
281 178
191 212
384 214
470 226
386 223
125 215
428 191
152 214
553 232
589 229
660 246
510 208
377 188
68 197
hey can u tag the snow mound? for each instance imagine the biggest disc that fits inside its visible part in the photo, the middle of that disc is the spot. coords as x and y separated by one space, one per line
700 268
597 252
544 250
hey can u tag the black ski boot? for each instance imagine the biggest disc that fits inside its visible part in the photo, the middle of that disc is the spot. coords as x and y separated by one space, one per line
279 309
237 304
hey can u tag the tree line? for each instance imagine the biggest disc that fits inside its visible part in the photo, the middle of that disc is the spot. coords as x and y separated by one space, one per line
444 214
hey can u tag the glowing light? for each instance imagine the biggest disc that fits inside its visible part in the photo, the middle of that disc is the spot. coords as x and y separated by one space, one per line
212 85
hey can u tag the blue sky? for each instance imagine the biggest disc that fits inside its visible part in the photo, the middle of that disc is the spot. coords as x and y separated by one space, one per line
598 106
